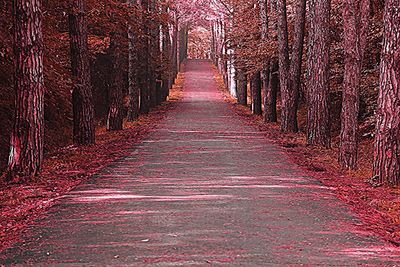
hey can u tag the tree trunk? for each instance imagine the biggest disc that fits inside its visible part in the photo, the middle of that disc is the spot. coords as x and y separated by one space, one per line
115 116
318 123
241 87
287 97
387 139
144 60
133 89
290 72
82 98
153 59
166 55
175 50
271 92
256 93
26 154
355 22
295 65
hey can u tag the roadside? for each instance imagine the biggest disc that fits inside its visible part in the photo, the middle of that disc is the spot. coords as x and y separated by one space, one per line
64 170
377 207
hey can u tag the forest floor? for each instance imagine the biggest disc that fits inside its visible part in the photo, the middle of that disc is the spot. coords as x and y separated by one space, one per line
204 187
23 203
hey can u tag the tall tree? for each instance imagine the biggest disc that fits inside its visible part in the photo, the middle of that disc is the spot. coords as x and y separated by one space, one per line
26 154
82 99
290 72
174 50
265 73
255 83
241 86
166 56
115 116
144 60
154 45
387 140
355 24
133 89
270 113
272 86
318 121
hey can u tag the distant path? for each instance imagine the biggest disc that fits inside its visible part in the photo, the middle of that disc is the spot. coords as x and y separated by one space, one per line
204 189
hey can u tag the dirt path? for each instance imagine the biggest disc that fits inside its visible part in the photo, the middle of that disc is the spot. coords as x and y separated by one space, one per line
204 189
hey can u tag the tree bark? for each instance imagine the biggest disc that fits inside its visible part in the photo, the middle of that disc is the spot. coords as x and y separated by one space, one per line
271 92
287 97
241 87
355 23
144 60
290 72
82 98
26 154
318 123
153 56
115 116
256 93
295 64
174 51
166 55
133 89
387 139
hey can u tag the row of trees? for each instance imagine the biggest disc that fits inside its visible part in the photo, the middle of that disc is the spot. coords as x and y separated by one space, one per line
266 50
151 40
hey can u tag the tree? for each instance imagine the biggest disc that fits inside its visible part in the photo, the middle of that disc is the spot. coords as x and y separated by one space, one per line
355 24
387 139
82 99
133 89
318 121
174 50
166 56
255 83
154 45
144 60
270 113
115 116
265 73
26 154
271 85
290 72
241 87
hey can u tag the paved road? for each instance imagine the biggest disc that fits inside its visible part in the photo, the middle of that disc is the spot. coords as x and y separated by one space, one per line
204 189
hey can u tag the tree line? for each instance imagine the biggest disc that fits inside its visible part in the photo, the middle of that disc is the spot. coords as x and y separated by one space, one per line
260 43
155 44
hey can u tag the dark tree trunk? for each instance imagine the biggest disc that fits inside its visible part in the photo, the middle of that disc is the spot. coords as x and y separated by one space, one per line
271 73
290 72
287 97
241 87
175 50
115 115
133 89
144 60
355 22
166 56
154 52
295 65
26 154
256 93
271 92
387 139
318 121
82 98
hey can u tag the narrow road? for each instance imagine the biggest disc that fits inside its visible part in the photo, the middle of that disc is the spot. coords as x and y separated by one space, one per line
204 189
